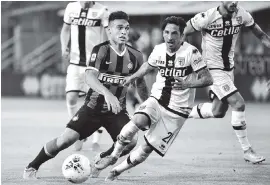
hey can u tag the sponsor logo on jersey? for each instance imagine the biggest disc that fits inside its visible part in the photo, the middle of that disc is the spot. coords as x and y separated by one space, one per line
166 72
85 22
111 79
224 32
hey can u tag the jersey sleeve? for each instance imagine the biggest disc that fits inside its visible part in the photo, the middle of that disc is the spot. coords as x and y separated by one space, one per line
140 61
67 18
197 63
199 21
248 20
152 60
97 57
105 18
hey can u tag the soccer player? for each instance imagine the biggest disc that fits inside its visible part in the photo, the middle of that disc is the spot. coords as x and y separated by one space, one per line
220 27
84 27
105 102
180 70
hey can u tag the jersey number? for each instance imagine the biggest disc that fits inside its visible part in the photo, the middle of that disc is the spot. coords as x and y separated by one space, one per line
168 138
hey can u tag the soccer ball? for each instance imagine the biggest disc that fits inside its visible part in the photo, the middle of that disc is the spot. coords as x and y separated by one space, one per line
76 168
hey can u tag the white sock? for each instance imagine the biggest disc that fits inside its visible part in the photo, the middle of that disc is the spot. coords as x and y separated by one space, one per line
239 126
204 112
136 157
126 135
97 136
72 110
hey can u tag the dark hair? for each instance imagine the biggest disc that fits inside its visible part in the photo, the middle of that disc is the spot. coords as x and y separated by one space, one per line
179 21
118 15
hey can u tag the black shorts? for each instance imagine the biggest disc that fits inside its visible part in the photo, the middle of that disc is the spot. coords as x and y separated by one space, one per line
86 121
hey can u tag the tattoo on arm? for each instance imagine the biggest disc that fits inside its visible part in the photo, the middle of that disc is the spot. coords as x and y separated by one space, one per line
142 88
205 77
257 31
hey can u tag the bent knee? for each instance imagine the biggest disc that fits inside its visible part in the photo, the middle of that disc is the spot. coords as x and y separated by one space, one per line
146 148
239 105
72 98
142 121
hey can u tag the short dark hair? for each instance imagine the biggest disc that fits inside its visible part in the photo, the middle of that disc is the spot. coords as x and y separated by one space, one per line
179 21
118 15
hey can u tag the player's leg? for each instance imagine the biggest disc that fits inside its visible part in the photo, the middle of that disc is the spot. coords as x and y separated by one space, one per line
214 109
136 157
238 121
159 137
50 150
96 138
140 121
74 85
79 127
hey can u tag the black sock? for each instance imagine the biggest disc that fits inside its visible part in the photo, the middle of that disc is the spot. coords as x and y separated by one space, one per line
40 159
108 152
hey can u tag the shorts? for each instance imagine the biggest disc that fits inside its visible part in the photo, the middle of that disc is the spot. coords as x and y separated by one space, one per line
75 80
86 121
163 127
223 83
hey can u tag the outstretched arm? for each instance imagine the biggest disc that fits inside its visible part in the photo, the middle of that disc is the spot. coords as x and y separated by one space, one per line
257 31
144 69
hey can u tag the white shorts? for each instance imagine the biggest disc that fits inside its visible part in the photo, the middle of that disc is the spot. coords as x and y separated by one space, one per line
223 83
75 80
164 125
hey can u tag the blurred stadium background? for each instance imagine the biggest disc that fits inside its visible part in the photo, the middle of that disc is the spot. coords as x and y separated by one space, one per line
30 44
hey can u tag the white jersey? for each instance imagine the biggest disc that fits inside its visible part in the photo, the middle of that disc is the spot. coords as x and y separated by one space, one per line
183 63
219 35
87 29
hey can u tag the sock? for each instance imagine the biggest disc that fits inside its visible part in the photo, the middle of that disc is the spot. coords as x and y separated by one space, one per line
107 153
72 110
124 138
135 158
40 159
239 126
205 111
97 135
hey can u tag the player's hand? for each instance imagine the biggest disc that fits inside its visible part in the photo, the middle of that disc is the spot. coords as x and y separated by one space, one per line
113 103
128 80
66 54
179 84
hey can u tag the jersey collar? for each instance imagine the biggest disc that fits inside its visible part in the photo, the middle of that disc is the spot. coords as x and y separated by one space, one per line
119 54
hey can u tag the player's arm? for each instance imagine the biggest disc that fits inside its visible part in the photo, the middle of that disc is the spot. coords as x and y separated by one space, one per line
260 34
105 24
199 66
65 36
143 70
197 23
140 82
204 79
65 32
91 79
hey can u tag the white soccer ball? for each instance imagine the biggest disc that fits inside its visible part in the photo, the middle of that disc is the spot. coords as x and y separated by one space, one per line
76 168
